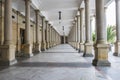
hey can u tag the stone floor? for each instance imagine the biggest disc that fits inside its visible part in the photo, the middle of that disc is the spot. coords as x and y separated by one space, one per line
61 63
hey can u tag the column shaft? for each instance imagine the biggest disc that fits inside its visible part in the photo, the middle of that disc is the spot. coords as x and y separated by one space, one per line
37 44
81 30
43 45
8 23
101 46
88 42
7 50
117 44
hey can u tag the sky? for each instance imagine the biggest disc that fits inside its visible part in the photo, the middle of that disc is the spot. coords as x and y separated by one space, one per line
110 16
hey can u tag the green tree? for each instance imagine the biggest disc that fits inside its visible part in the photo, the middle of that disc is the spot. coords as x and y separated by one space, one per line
93 37
111 33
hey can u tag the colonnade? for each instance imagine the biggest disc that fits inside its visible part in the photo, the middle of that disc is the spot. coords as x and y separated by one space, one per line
47 39
82 36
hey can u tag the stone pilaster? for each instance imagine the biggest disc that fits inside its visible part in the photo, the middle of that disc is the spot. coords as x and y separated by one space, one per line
7 50
88 42
37 44
43 44
81 29
117 44
101 46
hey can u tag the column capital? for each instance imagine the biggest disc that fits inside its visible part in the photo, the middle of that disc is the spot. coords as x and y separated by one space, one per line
43 17
105 7
81 9
49 24
28 1
86 1
117 0
78 15
46 21
37 10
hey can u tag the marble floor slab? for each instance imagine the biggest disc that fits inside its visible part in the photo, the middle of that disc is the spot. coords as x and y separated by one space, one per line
60 63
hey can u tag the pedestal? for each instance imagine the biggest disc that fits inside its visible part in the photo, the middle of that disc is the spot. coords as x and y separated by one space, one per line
82 47
27 51
117 49
77 46
88 50
43 46
7 55
47 45
37 48
101 55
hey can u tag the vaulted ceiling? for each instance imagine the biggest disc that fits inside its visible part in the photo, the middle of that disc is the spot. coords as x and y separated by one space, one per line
50 9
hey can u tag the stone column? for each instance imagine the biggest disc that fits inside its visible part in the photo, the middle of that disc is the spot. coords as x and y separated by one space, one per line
105 21
117 44
53 37
64 37
50 36
78 31
43 44
37 44
47 42
81 29
91 20
74 25
88 42
7 50
101 46
27 45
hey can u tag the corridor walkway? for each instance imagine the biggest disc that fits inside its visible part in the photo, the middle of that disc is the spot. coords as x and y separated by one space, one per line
59 63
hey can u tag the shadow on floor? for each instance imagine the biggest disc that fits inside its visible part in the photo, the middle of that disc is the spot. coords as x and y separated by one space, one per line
59 52
3 67
54 64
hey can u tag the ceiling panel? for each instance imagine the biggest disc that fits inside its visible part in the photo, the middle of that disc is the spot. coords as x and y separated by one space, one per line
50 9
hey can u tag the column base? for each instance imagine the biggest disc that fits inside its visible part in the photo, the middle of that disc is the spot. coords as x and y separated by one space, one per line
116 54
101 55
37 48
77 46
27 51
88 50
117 49
79 49
50 45
47 45
7 55
101 63
82 47
43 46
8 63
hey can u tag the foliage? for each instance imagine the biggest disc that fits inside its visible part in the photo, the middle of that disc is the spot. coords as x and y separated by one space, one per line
93 36
111 33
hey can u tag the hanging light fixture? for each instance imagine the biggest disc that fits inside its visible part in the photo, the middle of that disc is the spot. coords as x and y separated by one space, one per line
60 17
